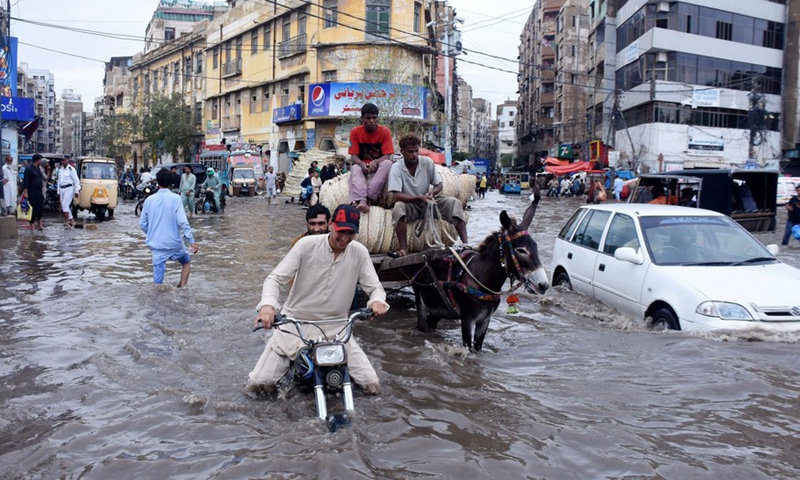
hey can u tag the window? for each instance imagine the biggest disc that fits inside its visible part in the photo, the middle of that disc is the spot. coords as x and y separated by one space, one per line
215 56
591 229
267 37
284 93
287 25
255 100
198 63
198 112
301 22
169 34
228 52
331 9
417 16
378 17
329 76
569 228
253 42
265 99
724 30
238 48
164 77
573 50
215 109
621 233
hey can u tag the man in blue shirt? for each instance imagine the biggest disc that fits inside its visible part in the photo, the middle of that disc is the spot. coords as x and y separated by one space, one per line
163 220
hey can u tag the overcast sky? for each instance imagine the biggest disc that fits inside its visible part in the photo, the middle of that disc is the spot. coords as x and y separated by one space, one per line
490 27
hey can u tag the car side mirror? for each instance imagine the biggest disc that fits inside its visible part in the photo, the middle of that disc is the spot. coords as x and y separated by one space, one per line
773 249
628 254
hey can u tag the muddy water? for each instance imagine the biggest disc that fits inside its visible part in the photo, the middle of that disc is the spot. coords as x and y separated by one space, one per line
104 376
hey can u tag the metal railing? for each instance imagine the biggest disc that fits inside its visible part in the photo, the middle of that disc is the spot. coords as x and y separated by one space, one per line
292 46
234 67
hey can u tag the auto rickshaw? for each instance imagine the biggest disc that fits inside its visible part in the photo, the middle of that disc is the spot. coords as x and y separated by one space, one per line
243 181
99 186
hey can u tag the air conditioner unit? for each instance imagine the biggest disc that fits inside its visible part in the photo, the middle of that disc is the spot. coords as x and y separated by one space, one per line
663 7
661 57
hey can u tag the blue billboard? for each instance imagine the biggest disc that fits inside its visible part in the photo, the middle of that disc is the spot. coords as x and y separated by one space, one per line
16 108
346 99
292 113
8 67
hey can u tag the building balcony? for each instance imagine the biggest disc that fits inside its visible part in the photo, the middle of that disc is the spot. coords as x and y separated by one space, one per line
234 67
547 98
548 74
292 46
231 123
545 122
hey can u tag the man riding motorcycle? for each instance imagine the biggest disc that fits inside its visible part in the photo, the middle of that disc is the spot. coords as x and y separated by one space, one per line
325 269
214 184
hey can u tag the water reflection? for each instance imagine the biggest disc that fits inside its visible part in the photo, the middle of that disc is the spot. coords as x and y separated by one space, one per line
108 377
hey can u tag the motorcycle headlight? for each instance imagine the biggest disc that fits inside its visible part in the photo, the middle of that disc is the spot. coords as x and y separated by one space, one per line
723 310
327 355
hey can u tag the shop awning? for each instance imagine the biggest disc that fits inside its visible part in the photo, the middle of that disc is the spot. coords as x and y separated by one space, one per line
569 168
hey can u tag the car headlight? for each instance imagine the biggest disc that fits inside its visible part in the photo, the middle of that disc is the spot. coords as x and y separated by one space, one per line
326 355
723 310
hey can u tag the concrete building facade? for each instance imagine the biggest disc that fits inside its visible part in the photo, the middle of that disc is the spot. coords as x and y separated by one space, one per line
572 31
69 104
465 136
700 82
507 117
484 143
40 85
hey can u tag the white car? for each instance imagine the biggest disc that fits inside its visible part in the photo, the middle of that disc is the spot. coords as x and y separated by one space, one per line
681 268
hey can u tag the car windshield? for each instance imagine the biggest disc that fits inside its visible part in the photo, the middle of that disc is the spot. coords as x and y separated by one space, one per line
99 171
701 241
243 174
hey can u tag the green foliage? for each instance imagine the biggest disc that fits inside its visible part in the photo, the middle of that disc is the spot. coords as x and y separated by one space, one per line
167 124
115 135
461 156
505 159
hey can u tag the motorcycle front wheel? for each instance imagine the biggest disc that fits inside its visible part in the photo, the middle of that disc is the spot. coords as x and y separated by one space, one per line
138 209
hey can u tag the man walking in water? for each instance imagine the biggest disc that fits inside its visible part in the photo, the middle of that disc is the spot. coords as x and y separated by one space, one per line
68 185
370 152
164 222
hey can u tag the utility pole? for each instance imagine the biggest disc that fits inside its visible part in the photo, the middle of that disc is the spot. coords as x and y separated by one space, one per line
451 46
756 120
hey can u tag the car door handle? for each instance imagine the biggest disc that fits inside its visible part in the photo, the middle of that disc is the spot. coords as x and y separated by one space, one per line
569 256
602 267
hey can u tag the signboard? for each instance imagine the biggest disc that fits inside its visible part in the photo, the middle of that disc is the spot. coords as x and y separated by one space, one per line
705 97
212 127
346 99
17 108
311 137
565 151
292 113
8 67
630 53
705 145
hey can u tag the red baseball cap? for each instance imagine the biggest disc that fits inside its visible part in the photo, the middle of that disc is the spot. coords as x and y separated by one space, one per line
346 217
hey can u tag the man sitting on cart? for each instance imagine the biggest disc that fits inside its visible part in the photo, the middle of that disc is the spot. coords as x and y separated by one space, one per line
410 182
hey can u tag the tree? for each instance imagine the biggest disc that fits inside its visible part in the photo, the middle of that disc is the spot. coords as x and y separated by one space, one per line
460 156
167 125
114 136
505 159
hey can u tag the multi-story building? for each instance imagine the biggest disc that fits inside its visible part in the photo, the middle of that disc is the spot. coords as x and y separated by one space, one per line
507 115
110 109
69 105
537 81
293 75
40 85
175 18
572 31
700 82
483 143
465 137
602 63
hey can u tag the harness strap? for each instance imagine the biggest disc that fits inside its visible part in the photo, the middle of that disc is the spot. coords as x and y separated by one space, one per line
449 301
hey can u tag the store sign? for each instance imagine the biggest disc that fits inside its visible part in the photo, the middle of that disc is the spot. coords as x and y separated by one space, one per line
703 144
346 99
292 113
17 108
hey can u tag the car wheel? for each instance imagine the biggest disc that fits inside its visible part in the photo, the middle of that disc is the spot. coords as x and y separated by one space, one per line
664 319
562 279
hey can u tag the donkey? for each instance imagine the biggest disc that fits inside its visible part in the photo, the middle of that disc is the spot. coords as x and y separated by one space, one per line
468 287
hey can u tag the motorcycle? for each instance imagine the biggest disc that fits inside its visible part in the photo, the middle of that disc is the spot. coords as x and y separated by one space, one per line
205 202
149 188
321 364
127 190
51 198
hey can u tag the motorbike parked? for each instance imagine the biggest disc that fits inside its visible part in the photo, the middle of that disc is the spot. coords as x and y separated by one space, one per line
321 364
149 188
205 202
51 198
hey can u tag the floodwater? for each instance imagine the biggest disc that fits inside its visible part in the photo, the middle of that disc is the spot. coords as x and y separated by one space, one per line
105 376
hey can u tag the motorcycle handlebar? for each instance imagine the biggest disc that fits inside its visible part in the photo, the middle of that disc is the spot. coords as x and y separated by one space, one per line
281 319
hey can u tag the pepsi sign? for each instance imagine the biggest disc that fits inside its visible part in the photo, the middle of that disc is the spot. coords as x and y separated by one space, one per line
320 100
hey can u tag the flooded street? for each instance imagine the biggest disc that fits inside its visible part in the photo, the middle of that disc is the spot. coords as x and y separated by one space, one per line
105 376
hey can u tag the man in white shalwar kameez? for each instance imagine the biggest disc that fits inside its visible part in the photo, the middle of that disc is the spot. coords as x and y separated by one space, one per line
69 185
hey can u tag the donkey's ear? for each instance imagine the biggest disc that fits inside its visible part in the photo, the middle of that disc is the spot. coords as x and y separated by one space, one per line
505 220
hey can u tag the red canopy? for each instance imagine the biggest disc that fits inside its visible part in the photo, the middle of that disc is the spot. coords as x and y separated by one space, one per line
555 161
438 158
569 168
